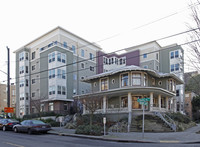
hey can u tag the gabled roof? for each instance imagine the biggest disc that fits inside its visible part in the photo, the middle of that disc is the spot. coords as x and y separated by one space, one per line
134 68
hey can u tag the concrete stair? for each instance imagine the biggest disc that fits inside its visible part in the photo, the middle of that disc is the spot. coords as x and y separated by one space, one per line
152 124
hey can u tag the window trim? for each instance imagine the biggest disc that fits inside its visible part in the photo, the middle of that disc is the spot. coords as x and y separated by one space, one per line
121 79
107 79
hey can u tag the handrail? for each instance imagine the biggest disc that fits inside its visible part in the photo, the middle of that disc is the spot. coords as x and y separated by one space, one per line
171 124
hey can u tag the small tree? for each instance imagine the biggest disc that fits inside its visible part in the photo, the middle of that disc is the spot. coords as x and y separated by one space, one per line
37 105
91 104
196 107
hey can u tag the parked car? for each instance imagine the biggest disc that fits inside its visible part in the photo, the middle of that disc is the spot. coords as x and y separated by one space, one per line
7 124
31 126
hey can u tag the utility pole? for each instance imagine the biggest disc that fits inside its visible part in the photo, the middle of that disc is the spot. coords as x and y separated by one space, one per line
8 75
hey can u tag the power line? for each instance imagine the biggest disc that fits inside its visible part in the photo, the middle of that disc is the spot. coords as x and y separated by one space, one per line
117 34
101 64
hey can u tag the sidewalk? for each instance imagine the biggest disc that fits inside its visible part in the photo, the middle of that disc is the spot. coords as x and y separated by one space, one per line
188 136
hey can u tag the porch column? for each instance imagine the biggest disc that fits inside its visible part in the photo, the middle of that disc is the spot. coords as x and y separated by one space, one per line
159 101
129 111
104 104
151 101
174 104
167 103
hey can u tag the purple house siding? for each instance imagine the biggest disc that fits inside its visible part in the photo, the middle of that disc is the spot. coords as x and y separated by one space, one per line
100 62
132 58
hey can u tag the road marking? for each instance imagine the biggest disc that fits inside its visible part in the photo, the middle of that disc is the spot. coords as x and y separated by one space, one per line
169 141
13 144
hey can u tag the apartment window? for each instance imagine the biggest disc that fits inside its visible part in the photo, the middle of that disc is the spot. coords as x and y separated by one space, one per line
21 56
82 53
27 82
59 73
59 90
33 55
63 58
157 67
136 79
73 49
33 81
26 69
172 67
172 55
91 68
21 70
26 56
65 44
124 60
177 92
74 77
26 96
59 57
33 94
144 55
52 73
63 90
50 58
74 91
82 65
176 67
51 90
33 67
157 56
21 84
63 74
53 56
91 56
124 79
50 106
120 61
104 84
176 54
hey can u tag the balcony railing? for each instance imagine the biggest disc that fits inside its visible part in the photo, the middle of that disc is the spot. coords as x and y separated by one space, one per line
55 43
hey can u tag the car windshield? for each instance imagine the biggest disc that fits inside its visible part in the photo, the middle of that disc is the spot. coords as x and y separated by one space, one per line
37 122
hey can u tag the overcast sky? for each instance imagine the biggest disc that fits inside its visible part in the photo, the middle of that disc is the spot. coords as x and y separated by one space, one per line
124 22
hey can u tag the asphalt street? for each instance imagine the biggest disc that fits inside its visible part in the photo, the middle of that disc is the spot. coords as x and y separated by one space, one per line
11 139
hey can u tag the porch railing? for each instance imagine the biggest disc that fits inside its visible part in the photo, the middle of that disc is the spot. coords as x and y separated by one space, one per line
170 122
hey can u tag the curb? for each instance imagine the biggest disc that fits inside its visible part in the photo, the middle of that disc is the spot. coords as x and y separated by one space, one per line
100 138
123 140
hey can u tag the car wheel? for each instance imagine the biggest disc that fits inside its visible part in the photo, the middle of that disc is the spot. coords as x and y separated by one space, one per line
15 130
4 128
29 131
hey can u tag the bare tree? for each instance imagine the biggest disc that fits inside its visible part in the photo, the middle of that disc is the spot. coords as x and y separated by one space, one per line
36 103
194 37
91 105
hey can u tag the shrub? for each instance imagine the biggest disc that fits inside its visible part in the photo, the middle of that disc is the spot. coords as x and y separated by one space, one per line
89 130
180 117
52 122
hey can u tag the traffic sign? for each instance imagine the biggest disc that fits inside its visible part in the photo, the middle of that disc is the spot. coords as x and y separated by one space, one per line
143 103
8 109
143 100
